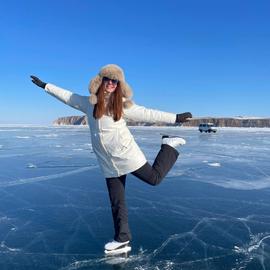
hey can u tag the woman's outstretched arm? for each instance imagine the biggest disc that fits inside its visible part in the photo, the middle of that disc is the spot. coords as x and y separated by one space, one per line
78 102
142 114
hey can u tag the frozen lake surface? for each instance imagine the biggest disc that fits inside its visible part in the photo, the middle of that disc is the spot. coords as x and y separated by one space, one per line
212 211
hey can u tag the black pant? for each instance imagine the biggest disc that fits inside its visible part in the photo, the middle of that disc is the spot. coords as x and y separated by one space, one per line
152 175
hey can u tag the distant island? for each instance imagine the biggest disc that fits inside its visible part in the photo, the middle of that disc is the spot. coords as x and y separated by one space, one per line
217 121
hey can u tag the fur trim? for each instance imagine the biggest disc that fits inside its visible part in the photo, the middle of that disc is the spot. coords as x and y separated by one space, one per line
93 99
126 89
113 72
127 104
95 84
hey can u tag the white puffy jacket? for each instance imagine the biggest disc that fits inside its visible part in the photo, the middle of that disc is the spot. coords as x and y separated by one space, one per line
115 148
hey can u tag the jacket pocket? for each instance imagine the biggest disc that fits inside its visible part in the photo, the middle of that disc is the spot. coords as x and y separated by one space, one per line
117 142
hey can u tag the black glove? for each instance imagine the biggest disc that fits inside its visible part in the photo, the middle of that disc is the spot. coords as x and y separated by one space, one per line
38 82
183 117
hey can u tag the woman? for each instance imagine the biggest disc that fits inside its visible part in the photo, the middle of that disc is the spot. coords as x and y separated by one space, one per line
117 153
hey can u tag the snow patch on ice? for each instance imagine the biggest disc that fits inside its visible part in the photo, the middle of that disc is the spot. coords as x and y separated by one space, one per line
45 178
255 243
4 219
11 155
4 247
88 144
46 135
244 185
31 165
215 164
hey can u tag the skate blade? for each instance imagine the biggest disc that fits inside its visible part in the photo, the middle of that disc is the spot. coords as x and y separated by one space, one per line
117 251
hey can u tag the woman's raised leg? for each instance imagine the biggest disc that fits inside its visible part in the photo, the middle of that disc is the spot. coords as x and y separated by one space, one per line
164 161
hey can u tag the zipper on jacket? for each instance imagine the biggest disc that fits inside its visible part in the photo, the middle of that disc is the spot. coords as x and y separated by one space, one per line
108 154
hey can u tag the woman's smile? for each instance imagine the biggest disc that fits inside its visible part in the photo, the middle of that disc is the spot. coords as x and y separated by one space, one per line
110 87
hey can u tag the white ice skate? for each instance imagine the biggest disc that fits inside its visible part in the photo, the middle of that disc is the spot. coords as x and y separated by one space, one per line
114 248
173 141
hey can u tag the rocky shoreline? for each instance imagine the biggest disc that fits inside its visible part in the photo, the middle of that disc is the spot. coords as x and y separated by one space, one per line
219 122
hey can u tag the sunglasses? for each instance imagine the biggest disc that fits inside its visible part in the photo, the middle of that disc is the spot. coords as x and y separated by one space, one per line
106 79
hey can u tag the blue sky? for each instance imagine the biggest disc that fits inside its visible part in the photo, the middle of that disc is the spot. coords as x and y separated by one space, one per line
211 58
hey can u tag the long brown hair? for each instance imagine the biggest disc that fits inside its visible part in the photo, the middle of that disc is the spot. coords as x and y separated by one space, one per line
114 106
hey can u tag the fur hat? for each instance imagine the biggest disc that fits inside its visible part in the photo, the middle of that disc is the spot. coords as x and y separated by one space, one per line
113 72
